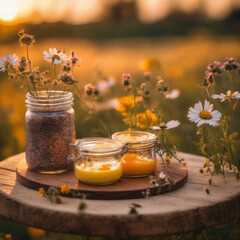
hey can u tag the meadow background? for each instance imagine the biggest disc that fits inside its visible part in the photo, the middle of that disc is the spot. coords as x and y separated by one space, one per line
184 40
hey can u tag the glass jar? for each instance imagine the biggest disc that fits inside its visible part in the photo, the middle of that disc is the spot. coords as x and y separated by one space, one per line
50 128
140 157
99 161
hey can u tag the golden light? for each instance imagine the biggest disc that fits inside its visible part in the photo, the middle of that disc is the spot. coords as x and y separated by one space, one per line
8 10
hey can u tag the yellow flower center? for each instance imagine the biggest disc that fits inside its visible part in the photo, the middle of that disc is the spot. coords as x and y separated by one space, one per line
229 96
6 64
205 115
162 125
55 57
167 160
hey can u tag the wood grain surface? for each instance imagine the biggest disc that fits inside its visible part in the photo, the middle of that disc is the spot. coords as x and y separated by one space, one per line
187 209
125 188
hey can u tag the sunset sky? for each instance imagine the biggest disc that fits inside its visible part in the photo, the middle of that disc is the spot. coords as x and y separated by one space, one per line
82 11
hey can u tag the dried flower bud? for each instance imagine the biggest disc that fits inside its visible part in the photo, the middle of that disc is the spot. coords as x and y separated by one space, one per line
230 64
143 86
66 78
74 59
201 171
230 59
228 67
26 39
210 181
209 76
147 75
45 73
205 83
88 89
146 92
21 32
126 78
159 85
58 199
207 190
215 67
22 64
165 89
133 210
95 92
55 83
66 66
125 82
82 206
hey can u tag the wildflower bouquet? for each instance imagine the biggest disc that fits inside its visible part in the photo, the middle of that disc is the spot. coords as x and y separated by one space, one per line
143 108
57 81
31 78
218 140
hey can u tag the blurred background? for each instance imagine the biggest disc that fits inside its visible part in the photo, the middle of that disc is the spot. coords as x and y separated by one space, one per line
112 37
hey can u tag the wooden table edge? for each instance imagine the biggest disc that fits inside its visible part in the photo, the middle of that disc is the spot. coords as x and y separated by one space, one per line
121 225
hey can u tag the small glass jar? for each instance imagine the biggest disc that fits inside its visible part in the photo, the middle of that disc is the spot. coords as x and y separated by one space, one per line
49 127
140 157
99 161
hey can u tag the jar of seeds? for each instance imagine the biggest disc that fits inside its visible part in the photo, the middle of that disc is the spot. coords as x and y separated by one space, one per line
50 128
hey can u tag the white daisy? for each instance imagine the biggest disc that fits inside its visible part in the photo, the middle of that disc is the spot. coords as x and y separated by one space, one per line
162 175
105 85
173 94
169 125
228 95
204 115
54 56
7 60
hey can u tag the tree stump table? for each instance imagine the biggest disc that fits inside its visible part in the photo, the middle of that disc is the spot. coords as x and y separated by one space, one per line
184 210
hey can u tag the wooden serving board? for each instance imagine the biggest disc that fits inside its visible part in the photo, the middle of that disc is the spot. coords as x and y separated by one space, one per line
186 210
125 188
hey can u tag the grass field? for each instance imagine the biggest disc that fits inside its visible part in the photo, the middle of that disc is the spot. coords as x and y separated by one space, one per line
183 62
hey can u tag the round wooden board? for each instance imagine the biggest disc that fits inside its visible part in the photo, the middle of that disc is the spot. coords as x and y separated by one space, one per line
125 188
187 209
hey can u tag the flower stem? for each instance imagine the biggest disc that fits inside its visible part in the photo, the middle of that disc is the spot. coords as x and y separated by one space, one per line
168 150
230 78
30 68
228 144
95 115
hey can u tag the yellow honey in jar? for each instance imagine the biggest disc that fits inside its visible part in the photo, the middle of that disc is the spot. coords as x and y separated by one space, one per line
140 159
98 174
99 162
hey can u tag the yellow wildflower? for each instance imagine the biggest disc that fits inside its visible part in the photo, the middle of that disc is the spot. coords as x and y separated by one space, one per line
167 160
146 119
64 189
126 104
8 237
41 191
35 232
150 64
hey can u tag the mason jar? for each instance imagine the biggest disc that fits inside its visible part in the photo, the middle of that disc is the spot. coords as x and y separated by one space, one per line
140 157
99 161
50 128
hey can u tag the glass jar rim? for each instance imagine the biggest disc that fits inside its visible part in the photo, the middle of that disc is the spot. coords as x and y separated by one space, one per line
49 100
136 139
99 146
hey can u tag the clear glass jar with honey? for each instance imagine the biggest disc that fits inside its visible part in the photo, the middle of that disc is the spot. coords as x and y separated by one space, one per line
140 157
99 161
